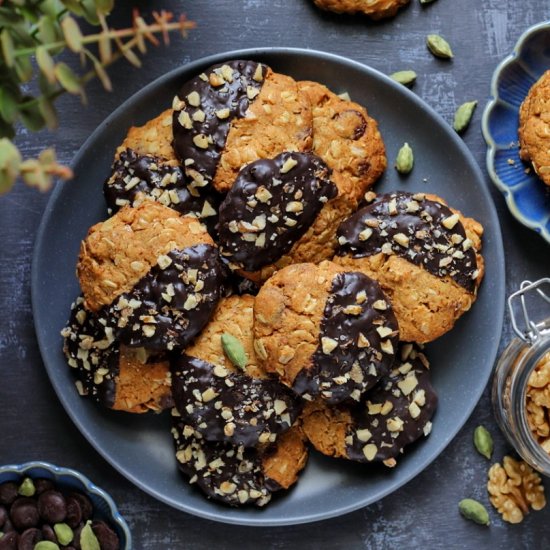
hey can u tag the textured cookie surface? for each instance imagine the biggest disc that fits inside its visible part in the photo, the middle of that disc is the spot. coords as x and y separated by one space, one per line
534 127
345 137
118 252
395 413
235 113
424 255
375 9
271 205
136 177
236 475
324 331
115 376
153 138
220 401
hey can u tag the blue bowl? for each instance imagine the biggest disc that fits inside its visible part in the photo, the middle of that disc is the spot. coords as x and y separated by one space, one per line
67 479
528 199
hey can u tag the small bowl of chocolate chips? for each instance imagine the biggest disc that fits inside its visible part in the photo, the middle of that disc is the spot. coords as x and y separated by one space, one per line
46 507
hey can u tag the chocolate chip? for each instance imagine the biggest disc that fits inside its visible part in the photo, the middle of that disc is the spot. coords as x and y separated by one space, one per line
24 513
85 505
52 506
48 533
74 512
41 485
3 516
107 538
29 538
8 492
9 541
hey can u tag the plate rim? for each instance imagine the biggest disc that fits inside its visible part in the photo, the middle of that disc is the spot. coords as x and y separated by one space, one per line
493 102
218 513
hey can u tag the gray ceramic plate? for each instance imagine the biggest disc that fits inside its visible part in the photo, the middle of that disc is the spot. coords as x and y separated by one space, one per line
141 447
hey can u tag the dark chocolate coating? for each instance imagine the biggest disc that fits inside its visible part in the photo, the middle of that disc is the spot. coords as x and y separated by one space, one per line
24 513
228 473
168 307
244 410
389 444
88 346
8 492
52 506
9 541
354 312
267 210
201 163
133 173
440 250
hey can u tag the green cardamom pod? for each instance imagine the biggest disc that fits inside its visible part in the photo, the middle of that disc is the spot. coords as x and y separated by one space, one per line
439 46
63 533
405 159
483 442
46 545
88 540
234 350
463 115
26 488
406 78
473 510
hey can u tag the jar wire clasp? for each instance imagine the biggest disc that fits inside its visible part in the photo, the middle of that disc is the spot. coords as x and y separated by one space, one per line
529 331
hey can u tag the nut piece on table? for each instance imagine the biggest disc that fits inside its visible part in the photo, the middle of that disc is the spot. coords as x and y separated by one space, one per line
513 488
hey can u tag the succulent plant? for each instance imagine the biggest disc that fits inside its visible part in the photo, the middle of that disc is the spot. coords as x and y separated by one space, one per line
33 33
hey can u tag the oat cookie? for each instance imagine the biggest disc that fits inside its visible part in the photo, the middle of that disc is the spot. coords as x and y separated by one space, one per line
235 113
375 9
157 273
324 331
234 474
534 127
425 256
218 400
345 137
395 413
120 378
154 138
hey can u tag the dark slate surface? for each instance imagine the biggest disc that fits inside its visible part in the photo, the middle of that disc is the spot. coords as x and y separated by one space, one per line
424 512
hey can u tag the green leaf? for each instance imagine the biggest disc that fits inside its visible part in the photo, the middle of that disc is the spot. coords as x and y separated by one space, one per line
48 112
8 17
105 6
8 105
90 11
23 68
48 30
67 78
51 8
32 117
45 63
72 34
10 162
73 5
129 54
8 51
34 175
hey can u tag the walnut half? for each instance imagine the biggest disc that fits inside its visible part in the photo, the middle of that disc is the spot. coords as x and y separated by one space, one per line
514 487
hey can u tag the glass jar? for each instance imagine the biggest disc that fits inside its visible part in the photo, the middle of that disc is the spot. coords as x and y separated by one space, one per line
513 371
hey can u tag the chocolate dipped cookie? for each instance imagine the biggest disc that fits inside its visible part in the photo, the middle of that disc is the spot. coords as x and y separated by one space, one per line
282 211
234 474
375 9
235 113
345 137
325 331
425 256
115 376
534 128
156 275
392 415
223 402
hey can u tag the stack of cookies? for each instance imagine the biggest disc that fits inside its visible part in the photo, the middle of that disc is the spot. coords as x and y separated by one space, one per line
251 283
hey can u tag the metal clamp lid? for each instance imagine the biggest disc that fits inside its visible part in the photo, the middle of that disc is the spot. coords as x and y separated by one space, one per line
531 331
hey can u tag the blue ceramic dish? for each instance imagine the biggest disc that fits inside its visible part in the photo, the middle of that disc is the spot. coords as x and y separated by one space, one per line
527 197
67 479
